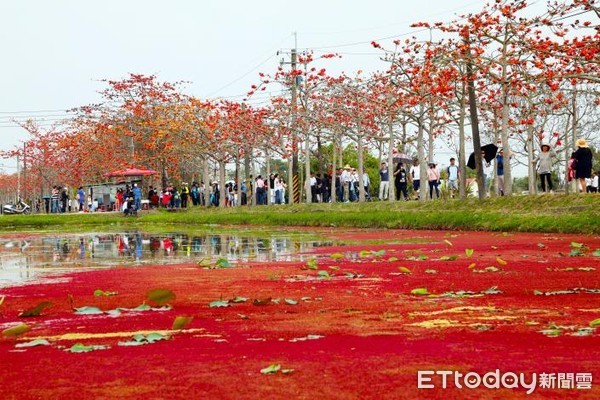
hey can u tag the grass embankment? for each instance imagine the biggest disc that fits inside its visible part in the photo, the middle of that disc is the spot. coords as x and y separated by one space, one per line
544 213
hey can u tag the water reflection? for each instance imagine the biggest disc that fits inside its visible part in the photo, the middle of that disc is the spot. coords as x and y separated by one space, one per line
26 258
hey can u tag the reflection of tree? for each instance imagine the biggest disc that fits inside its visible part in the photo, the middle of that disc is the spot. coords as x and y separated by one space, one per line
48 253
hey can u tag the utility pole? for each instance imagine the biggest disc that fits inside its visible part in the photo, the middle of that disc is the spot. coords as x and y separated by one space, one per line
294 181
24 171
18 180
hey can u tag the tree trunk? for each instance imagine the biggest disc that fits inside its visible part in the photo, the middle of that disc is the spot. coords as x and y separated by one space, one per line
307 168
290 182
422 164
531 168
222 191
462 156
504 127
390 162
475 127
333 194
268 177
238 181
360 150
205 178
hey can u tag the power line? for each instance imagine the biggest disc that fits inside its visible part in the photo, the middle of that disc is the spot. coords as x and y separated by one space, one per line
34 111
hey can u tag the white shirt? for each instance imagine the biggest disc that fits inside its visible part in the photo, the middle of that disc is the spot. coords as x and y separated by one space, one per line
345 177
453 172
415 172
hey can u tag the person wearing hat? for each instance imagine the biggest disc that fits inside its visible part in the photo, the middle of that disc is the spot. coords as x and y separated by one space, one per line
345 178
185 193
544 166
433 176
583 163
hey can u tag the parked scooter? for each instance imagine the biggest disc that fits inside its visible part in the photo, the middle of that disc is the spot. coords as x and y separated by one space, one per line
20 208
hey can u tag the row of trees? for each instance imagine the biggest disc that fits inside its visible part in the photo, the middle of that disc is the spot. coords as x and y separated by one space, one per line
520 79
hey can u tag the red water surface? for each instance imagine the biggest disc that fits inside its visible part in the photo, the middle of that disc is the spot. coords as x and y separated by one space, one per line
354 332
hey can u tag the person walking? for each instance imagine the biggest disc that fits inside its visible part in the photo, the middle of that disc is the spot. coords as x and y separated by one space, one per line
583 163
415 176
433 176
345 179
384 181
80 198
453 173
544 166
401 182
137 197
54 208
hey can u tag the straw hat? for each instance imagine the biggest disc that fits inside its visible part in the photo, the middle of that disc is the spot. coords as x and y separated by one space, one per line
545 145
347 166
581 143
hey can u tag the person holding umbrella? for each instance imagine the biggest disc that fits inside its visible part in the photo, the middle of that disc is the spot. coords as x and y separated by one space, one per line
544 166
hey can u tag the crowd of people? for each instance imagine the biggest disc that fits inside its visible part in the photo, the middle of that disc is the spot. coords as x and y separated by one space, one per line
273 189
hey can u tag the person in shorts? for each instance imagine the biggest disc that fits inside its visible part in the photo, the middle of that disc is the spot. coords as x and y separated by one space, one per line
453 173
415 176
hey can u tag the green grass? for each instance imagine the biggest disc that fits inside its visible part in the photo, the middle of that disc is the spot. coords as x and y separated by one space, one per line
544 213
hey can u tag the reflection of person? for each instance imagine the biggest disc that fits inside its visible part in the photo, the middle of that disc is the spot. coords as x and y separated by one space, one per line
544 166
583 167
81 249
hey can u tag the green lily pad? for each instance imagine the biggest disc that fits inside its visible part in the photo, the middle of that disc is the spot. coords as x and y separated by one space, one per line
323 274
238 299
35 311
271 369
17 330
469 252
312 263
33 343
419 292
99 293
223 263
160 296
181 322
219 303
88 310
82 348
141 340
595 323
